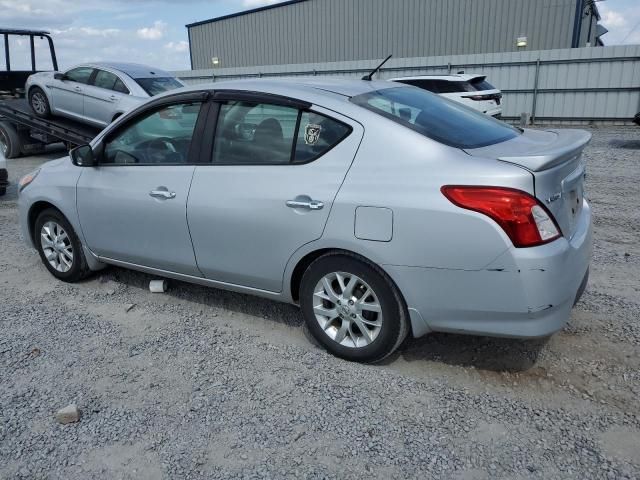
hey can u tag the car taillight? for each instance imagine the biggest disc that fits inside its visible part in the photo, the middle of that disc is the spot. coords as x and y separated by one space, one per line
480 97
523 218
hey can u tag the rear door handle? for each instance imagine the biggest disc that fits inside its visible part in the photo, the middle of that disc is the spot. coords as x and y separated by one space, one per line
305 205
113 98
162 194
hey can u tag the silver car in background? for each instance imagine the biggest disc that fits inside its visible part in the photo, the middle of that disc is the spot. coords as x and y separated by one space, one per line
96 93
379 208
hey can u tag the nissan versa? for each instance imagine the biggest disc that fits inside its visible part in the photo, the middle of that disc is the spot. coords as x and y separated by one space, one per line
380 209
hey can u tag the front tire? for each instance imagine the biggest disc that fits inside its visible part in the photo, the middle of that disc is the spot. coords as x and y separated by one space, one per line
39 102
59 247
352 308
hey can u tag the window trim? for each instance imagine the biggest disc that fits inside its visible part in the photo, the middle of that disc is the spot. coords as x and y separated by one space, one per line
264 98
193 157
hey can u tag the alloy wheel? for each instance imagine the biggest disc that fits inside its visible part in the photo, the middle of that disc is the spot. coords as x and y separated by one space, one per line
347 309
56 246
39 103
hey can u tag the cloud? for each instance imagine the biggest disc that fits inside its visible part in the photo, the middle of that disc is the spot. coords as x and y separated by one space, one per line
181 46
620 21
153 33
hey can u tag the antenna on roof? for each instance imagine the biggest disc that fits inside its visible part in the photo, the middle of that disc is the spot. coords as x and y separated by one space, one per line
369 77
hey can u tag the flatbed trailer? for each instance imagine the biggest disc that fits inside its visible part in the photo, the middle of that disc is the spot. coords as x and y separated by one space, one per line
23 133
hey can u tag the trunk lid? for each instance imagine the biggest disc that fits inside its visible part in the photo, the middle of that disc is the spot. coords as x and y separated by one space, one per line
554 158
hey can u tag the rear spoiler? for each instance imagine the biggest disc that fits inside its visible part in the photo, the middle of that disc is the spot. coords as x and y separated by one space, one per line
569 144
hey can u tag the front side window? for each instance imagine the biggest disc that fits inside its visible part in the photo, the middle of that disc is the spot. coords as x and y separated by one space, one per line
260 133
161 137
436 117
80 74
156 86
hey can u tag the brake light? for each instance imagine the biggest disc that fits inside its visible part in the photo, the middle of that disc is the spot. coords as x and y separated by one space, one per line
523 218
478 98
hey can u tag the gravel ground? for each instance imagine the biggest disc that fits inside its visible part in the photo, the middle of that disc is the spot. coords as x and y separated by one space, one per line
200 383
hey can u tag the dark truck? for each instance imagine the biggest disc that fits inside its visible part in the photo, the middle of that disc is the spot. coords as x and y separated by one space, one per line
21 132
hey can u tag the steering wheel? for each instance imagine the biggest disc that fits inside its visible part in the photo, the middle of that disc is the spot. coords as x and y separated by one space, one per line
157 148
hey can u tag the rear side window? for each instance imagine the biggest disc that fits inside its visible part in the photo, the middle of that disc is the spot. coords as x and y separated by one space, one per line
446 86
317 135
80 74
104 80
120 87
265 134
430 85
436 117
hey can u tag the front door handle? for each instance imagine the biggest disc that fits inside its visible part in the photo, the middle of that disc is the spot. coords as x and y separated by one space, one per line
113 98
162 194
77 89
305 205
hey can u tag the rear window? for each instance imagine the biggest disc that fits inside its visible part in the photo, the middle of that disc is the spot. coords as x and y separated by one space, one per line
480 84
155 86
436 117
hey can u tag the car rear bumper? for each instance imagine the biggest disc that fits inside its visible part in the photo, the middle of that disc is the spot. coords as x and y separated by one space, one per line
525 293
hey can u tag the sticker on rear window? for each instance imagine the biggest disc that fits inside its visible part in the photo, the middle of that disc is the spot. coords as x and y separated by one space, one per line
312 134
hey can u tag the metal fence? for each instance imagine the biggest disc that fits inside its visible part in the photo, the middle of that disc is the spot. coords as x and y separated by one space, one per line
578 86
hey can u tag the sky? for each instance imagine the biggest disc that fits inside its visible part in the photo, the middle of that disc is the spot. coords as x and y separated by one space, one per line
153 31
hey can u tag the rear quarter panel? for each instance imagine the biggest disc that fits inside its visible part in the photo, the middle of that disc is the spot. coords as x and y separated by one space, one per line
403 171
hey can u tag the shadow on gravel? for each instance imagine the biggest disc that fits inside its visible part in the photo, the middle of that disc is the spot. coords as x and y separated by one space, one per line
484 353
626 144
211 297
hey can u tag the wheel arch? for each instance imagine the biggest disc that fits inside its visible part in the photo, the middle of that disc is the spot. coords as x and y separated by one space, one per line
36 209
302 265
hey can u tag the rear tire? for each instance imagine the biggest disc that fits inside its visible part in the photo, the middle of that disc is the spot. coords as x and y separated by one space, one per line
366 319
59 247
10 143
39 102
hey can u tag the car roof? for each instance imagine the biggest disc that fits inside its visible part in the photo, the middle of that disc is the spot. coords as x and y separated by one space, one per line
459 77
313 85
134 70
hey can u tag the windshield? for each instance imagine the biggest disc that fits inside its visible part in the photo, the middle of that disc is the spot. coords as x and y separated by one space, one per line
155 86
436 117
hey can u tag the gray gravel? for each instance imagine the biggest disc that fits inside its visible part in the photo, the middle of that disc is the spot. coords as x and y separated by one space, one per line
200 383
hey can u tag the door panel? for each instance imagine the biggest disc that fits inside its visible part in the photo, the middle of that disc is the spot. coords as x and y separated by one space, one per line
133 206
242 229
68 95
100 104
121 220
101 100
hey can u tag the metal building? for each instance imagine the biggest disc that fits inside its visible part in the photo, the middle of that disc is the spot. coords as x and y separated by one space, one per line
310 31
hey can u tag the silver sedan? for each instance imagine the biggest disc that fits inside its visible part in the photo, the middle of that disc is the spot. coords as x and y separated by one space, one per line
380 209
96 93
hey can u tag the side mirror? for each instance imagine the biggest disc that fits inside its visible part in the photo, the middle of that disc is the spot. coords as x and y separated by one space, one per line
83 156
59 76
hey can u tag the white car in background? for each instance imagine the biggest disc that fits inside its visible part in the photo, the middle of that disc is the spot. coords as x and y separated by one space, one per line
96 93
471 90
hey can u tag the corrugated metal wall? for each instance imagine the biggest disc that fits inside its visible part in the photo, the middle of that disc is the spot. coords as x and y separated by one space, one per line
600 85
315 31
